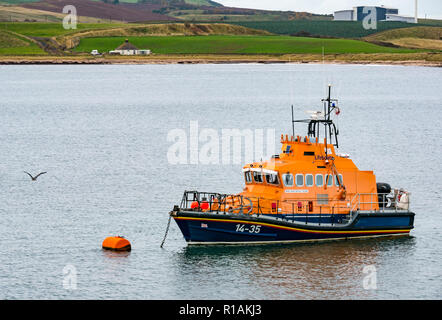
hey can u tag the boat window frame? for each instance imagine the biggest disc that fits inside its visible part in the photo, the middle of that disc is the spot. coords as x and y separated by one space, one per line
283 179
316 180
271 183
248 173
313 180
296 180
330 182
255 173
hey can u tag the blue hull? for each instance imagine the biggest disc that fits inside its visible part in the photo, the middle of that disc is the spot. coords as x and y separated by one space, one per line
210 228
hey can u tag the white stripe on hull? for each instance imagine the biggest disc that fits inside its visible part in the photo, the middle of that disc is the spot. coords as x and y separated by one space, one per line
291 241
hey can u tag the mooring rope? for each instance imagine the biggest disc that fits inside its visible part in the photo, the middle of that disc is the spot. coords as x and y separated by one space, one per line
167 230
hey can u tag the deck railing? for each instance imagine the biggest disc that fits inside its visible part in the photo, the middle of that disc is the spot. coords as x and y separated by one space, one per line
239 204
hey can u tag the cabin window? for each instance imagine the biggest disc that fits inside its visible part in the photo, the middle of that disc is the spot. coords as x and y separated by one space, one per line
248 176
299 180
288 179
272 178
309 180
338 182
319 180
257 176
329 180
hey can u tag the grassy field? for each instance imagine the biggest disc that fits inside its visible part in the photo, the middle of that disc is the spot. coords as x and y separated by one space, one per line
415 37
237 45
11 44
42 29
338 29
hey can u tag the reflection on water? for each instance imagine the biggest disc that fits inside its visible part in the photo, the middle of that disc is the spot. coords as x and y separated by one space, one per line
115 254
296 271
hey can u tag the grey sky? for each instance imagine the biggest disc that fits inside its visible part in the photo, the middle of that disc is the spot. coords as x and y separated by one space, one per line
432 8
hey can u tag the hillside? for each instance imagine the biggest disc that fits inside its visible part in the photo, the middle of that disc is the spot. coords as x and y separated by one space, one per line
13 44
337 29
415 37
159 10
128 12
71 40
16 13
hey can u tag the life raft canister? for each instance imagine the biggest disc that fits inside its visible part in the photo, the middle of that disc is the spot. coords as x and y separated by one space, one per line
116 243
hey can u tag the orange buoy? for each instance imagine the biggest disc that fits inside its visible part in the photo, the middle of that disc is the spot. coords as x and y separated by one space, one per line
116 243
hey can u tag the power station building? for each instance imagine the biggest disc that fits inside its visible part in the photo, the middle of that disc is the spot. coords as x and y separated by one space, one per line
382 14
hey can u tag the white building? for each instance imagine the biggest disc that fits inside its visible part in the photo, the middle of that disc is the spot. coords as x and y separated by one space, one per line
382 14
395 17
128 49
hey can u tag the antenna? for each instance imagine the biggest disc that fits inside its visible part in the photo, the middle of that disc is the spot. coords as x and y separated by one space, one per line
293 124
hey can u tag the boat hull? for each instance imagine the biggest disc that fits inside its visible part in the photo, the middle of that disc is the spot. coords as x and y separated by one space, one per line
210 228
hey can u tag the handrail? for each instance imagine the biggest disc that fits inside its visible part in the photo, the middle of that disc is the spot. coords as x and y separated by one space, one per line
229 203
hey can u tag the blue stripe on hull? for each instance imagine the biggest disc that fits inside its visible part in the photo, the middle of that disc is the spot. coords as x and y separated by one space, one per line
212 231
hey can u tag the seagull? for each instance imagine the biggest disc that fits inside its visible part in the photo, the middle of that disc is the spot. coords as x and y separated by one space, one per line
34 178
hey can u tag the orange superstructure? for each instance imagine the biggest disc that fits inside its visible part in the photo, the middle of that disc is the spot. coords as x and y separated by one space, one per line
306 179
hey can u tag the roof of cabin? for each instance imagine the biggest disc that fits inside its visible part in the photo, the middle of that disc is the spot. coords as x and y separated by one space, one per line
127 46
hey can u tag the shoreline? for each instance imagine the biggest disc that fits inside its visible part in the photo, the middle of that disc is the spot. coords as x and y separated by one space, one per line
422 59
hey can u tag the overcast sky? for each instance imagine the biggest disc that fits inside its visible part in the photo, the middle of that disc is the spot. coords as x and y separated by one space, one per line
432 8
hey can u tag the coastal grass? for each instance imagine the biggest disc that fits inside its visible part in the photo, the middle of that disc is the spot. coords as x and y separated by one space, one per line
238 45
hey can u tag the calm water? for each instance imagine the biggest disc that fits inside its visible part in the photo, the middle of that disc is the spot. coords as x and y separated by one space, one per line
101 134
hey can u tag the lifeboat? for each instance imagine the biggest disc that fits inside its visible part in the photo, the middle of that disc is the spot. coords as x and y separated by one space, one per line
308 192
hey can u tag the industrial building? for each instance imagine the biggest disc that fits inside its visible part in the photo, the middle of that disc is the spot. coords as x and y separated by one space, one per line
382 14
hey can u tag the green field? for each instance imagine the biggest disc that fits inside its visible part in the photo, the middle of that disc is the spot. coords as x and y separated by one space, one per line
43 29
237 45
338 29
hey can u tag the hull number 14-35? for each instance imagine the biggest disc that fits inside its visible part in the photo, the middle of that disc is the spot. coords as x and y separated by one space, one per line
248 228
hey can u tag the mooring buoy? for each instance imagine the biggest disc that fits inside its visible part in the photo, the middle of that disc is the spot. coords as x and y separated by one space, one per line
117 243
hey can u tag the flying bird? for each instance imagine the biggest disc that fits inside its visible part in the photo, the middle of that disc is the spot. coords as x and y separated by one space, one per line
34 178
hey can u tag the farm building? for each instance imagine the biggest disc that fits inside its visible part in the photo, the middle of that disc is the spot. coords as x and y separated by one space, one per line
382 14
128 49
343 15
395 17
